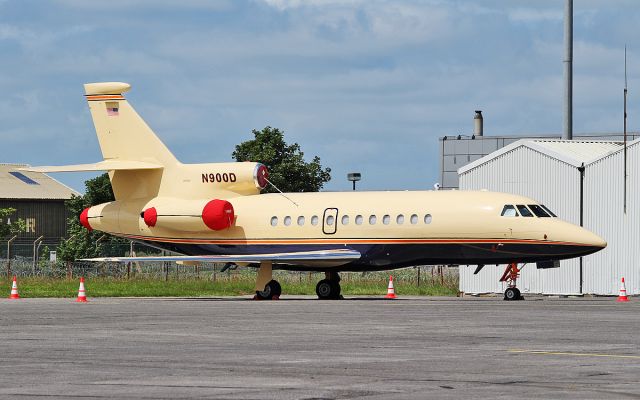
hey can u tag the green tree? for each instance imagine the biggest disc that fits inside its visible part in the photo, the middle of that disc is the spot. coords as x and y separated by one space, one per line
10 229
287 168
83 243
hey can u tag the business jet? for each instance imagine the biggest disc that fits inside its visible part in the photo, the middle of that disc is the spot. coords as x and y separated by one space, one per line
216 213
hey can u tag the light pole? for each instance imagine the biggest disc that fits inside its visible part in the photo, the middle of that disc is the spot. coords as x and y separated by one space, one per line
354 177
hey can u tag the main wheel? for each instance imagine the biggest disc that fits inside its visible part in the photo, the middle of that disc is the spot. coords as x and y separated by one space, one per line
327 289
271 290
511 294
518 294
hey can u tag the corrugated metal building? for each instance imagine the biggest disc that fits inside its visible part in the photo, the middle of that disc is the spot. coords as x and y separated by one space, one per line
39 201
563 175
459 150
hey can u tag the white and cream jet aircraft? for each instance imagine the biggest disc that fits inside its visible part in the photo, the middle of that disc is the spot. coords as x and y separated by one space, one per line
215 213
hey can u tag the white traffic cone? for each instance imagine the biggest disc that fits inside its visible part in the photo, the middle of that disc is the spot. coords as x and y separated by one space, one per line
14 290
623 292
391 293
82 297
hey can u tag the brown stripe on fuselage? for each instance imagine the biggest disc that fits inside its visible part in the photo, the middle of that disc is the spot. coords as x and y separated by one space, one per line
346 241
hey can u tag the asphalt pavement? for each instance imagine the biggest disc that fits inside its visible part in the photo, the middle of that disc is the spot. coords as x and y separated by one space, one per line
299 348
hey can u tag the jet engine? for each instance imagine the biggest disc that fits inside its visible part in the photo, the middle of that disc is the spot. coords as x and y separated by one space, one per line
162 213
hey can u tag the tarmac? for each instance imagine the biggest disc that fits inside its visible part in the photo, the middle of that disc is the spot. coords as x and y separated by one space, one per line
299 348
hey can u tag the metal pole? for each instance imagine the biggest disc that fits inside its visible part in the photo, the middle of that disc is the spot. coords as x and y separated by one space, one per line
129 263
568 70
9 255
35 253
354 185
625 132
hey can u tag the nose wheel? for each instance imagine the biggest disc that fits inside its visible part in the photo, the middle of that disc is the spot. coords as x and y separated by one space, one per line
329 288
511 274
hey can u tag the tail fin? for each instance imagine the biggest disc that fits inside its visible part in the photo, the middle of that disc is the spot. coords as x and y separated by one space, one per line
122 133
124 136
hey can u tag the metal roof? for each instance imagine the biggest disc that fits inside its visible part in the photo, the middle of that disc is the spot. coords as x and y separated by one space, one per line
16 184
573 152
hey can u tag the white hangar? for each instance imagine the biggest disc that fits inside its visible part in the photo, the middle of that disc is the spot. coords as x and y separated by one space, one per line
583 182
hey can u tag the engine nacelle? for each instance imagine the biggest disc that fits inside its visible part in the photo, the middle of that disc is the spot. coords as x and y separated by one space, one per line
239 177
161 213
188 215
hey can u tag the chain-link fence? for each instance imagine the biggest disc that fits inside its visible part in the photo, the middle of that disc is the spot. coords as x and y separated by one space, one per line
46 264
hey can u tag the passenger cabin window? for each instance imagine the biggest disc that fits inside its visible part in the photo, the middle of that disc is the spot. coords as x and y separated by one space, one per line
386 219
372 219
427 219
524 211
509 211
314 220
400 219
287 220
301 220
358 219
274 221
549 211
345 220
330 220
414 219
539 211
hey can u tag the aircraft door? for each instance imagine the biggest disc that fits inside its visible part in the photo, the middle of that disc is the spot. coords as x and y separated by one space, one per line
330 221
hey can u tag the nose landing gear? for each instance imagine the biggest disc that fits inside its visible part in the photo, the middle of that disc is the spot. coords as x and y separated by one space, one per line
511 274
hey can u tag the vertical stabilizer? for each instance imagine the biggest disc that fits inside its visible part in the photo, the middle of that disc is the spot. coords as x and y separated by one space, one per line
122 133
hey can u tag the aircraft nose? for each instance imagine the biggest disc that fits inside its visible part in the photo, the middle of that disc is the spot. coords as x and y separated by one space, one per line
591 241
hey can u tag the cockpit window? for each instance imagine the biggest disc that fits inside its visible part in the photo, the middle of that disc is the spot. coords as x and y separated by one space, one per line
539 211
524 211
547 210
509 211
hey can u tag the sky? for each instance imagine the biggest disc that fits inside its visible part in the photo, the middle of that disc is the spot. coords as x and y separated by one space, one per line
368 86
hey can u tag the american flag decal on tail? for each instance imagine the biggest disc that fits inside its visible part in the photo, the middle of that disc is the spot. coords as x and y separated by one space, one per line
112 109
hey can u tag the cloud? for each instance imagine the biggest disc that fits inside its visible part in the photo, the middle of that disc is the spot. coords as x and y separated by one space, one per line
532 15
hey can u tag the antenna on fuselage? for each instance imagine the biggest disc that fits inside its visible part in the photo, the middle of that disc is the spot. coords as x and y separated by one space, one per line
281 194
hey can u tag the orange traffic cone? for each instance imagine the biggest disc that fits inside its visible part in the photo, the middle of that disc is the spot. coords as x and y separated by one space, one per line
623 292
14 290
82 297
391 293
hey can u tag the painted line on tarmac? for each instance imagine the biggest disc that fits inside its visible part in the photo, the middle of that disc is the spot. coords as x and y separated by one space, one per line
566 353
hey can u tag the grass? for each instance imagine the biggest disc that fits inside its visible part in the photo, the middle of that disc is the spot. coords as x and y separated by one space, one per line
234 285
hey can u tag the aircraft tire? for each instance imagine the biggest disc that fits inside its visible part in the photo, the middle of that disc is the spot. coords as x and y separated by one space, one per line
271 290
328 290
511 294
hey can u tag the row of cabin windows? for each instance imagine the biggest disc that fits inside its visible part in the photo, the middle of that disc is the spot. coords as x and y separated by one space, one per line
359 219
520 210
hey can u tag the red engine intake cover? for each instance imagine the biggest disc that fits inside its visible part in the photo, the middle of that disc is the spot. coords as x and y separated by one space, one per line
218 215
150 217
84 219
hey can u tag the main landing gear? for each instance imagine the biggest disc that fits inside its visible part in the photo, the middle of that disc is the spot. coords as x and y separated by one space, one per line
511 274
269 289
266 287
329 287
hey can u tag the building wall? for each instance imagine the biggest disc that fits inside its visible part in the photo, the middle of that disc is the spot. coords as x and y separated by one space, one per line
46 218
547 180
604 214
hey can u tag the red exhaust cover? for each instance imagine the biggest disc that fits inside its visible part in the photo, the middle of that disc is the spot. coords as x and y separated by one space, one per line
218 214
150 217
84 219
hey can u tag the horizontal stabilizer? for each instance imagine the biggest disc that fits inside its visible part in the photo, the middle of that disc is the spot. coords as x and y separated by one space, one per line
106 165
282 258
